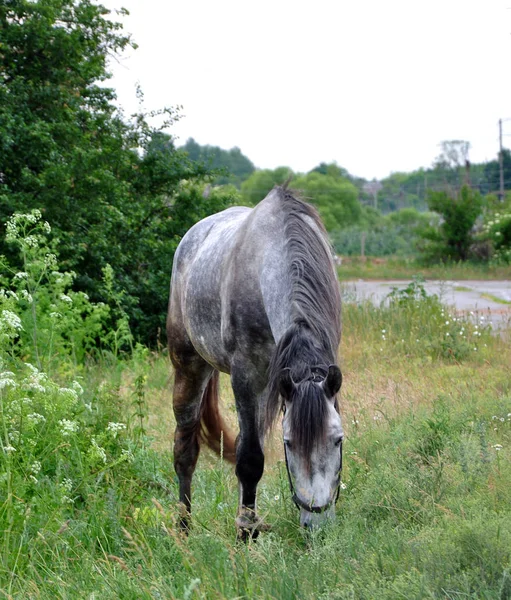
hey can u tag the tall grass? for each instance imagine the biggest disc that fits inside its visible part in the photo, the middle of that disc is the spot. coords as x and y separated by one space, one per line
88 498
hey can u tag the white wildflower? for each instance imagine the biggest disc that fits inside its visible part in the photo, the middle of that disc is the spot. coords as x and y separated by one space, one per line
36 418
9 448
21 275
31 241
497 447
114 428
11 319
68 427
66 298
77 387
97 452
35 467
27 296
343 486
7 379
128 455
69 392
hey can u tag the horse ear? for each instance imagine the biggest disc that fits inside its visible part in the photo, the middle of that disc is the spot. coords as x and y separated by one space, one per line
333 381
286 384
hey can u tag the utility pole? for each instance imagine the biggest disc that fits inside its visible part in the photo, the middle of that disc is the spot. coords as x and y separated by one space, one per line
501 163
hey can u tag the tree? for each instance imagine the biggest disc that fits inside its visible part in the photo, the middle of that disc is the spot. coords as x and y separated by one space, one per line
335 197
111 188
232 165
452 239
257 186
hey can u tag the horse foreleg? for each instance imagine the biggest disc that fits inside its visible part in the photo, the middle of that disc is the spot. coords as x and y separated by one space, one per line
188 391
249 456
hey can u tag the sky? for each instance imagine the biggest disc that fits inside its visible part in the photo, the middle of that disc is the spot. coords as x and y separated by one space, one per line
371 85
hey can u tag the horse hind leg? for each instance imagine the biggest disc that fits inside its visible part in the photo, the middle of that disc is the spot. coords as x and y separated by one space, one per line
189 387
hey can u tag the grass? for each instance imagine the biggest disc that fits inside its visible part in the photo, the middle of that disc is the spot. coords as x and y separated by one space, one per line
495 299
426 513
403 268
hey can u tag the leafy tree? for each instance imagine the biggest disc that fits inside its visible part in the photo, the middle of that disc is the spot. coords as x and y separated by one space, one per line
110 187
260 182
335 197
233 165
452 239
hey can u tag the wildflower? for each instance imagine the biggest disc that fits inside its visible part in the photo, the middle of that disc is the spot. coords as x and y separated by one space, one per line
68 427
447 334
383 330
11 319
114 428
128 455
33 479
97 452
343 486
9 448
47 227
21 275
31 241
77 387
50 260
66 298
7 379
447 322
69 392
497 447
277 498
35 467
27 296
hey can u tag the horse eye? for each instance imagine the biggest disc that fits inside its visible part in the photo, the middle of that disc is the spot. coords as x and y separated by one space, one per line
338 441
287 444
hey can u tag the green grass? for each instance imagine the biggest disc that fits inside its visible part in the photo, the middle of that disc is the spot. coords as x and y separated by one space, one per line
426 512
402 268
495 299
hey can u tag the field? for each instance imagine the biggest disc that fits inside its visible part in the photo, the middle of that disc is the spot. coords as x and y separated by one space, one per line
89 495
402 268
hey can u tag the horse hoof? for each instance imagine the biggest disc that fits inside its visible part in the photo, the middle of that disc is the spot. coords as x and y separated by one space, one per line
249 527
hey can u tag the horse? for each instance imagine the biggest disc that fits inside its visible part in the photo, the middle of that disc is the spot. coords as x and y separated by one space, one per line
254 294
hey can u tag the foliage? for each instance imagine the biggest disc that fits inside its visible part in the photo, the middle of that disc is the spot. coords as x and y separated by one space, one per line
451 240
112 188
392 235
412 319
336 198
233 164
260 182
44 320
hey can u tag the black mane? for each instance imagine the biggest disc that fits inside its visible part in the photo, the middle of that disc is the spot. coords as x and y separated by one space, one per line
313 338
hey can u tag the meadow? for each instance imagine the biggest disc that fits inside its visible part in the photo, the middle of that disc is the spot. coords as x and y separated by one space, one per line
88 494
396 267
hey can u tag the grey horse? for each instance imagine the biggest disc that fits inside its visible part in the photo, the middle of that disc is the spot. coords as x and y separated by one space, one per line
254 293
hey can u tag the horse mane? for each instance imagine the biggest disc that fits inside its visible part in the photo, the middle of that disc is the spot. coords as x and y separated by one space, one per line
313 338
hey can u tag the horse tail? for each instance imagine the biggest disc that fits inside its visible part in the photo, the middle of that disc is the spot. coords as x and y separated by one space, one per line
213 429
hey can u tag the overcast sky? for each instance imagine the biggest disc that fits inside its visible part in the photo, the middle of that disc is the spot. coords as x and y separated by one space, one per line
373 85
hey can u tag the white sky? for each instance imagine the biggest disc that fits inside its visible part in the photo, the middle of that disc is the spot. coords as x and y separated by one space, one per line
373 85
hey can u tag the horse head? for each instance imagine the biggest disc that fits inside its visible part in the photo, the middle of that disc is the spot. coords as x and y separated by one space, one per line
313 437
